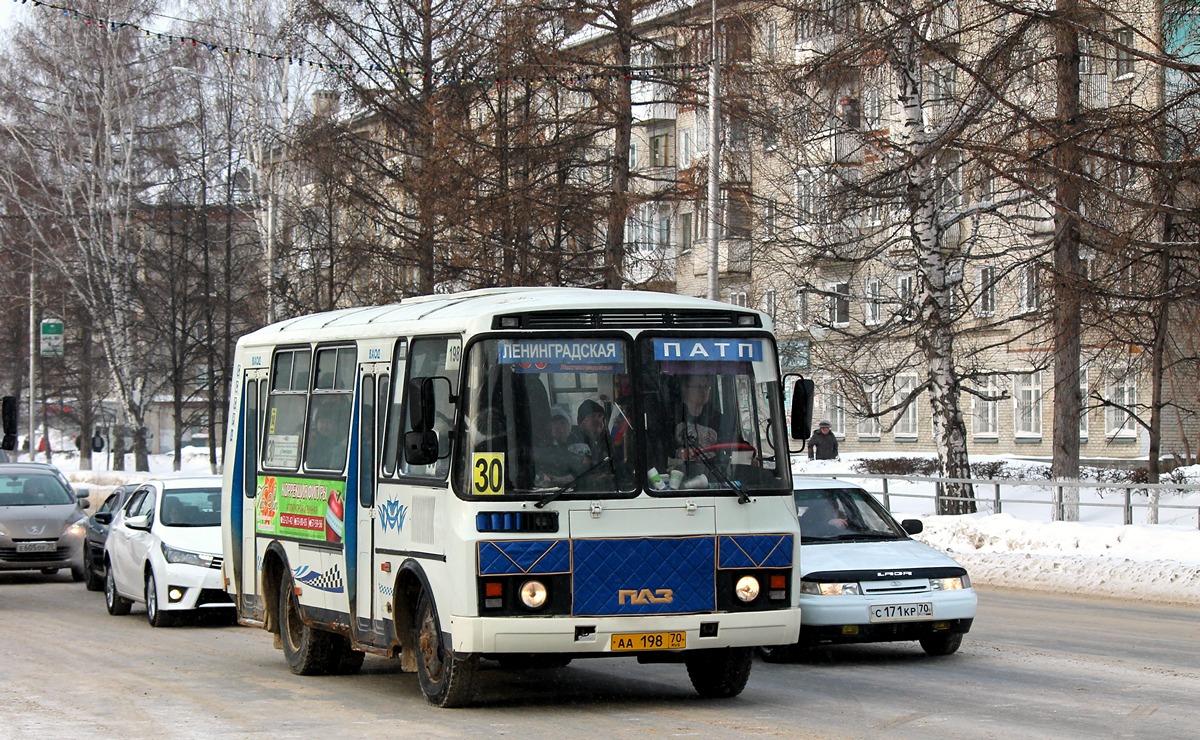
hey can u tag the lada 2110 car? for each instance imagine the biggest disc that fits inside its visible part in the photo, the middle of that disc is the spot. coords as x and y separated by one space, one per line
864 579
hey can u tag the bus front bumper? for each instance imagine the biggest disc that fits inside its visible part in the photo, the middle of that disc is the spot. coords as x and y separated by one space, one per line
594 636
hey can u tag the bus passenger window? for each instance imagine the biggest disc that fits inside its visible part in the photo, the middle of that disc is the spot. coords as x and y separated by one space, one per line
285 409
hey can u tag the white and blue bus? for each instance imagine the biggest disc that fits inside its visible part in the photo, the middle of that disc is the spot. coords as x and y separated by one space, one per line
526 475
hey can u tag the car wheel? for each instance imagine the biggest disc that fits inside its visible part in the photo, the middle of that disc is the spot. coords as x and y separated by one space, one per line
719 673
78 573
309 651
941 644
117 605
91 579
779 653
446 679
156 616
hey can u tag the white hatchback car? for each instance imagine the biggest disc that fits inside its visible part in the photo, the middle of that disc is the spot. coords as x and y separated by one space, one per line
864 579
164 551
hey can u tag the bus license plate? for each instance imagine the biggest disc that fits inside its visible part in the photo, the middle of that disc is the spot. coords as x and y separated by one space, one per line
901 612
37 546
648 641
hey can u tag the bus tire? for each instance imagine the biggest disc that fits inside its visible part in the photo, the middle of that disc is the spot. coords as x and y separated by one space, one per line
309 651
720 673
349 661
446 679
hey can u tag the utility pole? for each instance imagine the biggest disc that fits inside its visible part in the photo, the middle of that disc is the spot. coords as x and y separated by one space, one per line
33 350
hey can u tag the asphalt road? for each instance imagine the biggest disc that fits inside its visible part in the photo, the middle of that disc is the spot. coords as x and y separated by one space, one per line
1035 666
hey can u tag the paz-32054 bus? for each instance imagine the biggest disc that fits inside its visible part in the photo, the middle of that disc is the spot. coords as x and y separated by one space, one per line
526 476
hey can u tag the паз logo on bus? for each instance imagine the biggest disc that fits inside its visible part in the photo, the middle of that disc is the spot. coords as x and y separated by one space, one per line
645 596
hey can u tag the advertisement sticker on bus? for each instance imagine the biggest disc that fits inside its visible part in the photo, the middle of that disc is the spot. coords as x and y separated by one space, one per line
300 508
563 356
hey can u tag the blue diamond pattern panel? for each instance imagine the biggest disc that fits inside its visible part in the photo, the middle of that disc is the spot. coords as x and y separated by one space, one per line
515 557
644 576
756 551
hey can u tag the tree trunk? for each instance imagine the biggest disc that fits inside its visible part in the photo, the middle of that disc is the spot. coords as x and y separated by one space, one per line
1068 273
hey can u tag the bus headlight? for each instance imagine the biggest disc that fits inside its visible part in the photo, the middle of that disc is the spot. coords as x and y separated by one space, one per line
747 589
533 594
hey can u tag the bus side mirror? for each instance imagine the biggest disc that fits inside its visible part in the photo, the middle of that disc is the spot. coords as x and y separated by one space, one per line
421 448
10 423
421 405
802 408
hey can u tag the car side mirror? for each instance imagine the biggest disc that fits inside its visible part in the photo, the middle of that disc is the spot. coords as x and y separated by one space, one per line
83 493
103 517
138 522
83 502
913 526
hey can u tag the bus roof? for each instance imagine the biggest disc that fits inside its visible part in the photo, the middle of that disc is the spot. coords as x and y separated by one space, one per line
452 312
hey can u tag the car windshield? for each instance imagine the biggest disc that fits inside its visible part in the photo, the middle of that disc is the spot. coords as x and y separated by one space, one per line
33 489
200 507
840 514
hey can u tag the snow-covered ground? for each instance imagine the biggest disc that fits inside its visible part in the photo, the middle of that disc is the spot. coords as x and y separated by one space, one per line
1020 548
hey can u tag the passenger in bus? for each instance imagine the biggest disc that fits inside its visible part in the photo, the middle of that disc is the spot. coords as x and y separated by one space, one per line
326 444
590 437
558 463
699 422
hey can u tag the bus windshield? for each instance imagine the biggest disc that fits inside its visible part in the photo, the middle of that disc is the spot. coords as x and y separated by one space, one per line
712 410
592 415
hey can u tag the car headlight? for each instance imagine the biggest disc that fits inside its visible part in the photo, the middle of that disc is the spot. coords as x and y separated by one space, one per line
78 529
958 583
175 555
830 589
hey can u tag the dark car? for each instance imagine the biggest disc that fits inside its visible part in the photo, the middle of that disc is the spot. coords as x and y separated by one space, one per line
97 532
42 520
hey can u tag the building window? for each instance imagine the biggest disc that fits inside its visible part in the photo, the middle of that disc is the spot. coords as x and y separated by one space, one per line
835 408
904 297
837 304
685 147
987 291
986 411
771 219
633 155
869 426
660 150
739 298
1119 415
685 232
664 231
906 419
1027 397
1124 52
802 318
1030 289
874 302
872 108
772 39
807 196
769 303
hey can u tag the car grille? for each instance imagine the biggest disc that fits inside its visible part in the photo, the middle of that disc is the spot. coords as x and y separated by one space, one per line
210 596
884 588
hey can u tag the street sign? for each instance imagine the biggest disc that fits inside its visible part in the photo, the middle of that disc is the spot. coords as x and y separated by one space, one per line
52 338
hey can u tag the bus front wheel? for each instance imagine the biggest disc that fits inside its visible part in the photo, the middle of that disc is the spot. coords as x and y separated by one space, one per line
309 651
446 679
719 673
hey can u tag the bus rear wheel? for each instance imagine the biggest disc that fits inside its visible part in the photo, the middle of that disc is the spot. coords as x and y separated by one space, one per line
719 673
446 679
309 651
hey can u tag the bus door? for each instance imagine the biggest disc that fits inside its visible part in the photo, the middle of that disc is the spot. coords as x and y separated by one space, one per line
251 603
372 400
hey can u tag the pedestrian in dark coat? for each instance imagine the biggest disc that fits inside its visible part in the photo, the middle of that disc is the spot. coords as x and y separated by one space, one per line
823 444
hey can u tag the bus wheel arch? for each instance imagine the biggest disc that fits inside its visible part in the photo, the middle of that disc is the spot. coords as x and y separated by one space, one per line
410 583
274 570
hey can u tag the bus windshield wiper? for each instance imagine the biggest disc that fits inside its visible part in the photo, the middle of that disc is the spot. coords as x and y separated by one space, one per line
743 497
571 483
